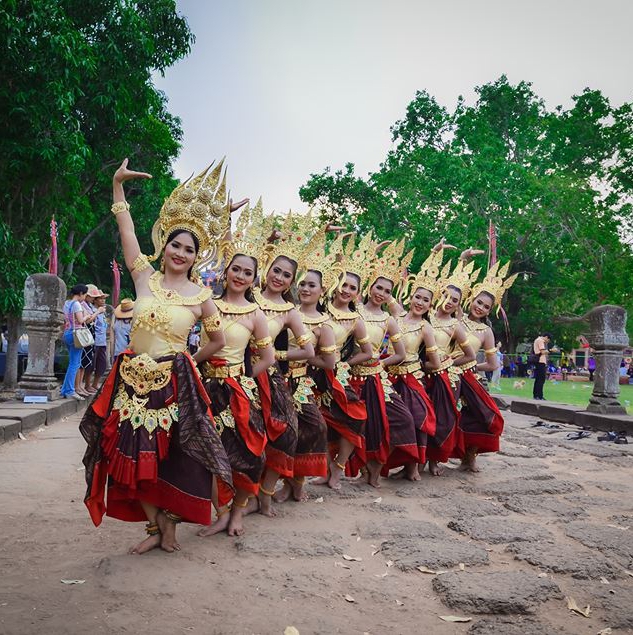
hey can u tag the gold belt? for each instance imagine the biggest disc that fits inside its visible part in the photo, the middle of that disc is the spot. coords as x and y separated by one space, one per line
468 365
366 371
145 374
298 371
445 365
209 371
404 369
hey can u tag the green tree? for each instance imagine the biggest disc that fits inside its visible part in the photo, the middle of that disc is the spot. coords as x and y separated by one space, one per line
556 184
77 96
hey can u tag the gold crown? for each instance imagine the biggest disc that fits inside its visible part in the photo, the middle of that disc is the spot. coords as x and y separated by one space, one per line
249 237
462 277
200 206
359 259
428 277
494 283
317 258
390 264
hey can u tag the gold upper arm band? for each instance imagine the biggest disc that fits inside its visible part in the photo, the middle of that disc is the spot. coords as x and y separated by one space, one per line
464 343
396 337
328 349
363 340
264 342
212 323
490 351
432 349
302 340
140 263
121 206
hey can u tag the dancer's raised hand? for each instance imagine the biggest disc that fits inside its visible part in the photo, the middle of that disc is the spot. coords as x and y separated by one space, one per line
123 174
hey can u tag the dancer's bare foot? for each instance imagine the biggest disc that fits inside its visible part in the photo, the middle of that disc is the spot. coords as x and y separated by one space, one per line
168 532
336 473
266 502
322 480
401 473
435 469
220 524
151 542
236 528
411 472
298 492
283 494
469 462
373 474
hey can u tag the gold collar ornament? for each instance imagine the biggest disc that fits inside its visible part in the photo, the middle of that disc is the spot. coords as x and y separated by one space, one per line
494 284
200 206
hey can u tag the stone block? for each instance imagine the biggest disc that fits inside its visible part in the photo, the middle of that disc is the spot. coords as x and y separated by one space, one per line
29 418
558 412
9 429
525 407
55 410
604 422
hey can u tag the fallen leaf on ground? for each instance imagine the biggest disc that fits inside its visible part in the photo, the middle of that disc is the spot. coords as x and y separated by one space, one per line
373 553
605 631
378 500
462 566
40 429
72 581
291 630
21 436
357 538
422 569
572 606
620 527
342 565
399 603
455 618
381 575
351 558
80 469
628 572
542 575
349 598
389 563
604 580
319 500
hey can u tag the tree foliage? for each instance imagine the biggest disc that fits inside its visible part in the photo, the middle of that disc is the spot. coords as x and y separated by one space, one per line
76 97
557 184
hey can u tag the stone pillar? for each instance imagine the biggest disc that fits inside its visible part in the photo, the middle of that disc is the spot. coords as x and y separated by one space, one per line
608 338
43 317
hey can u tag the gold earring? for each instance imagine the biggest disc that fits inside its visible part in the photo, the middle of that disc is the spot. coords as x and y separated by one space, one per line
224 282
162 264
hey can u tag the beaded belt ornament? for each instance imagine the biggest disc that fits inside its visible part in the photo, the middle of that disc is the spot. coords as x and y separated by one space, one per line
209 371
405 369
134 409
303 391
144 374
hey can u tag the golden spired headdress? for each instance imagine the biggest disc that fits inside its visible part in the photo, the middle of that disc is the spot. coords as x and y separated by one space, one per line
494 283
462 277
356 259
200 206
317 258
427 277
390 264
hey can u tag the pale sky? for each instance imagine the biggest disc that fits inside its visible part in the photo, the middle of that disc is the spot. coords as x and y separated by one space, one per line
285 88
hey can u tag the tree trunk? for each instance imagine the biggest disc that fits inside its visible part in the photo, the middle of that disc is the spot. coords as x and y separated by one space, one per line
11 368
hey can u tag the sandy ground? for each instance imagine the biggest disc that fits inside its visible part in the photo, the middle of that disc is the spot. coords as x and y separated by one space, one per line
566 506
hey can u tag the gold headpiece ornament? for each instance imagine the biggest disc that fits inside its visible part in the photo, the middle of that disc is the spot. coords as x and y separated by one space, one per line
462 277
428 276
296 231
250 235
317 258
359 259
390 264
494 283
200 206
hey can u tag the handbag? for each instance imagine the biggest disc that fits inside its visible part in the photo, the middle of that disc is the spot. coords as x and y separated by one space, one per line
82 337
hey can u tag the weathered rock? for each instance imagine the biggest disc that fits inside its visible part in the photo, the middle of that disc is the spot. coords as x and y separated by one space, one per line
580 563
296 544
442 552
613 542
525 451
497 530
497 593
527 504
534 484
512 626
615 599
462 506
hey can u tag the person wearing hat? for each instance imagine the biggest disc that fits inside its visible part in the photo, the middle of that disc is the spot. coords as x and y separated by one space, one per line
98 363
91 312
121 326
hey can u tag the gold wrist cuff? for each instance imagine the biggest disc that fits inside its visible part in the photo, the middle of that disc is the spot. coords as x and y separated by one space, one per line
432 349
302 340
265 342
363 340
464 343
281 356
392 301
120 207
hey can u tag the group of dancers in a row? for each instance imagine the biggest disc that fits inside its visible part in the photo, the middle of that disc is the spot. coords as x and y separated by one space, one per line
370 369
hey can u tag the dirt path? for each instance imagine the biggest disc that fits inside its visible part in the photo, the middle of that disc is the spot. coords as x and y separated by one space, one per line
545 519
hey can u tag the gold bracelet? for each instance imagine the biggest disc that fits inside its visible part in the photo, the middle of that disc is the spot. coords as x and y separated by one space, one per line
120 207
281 356
392 301
212 323
265 342
490 351
265 491
432 349
466 342
396 337
140 263
302 340
328 349
363 340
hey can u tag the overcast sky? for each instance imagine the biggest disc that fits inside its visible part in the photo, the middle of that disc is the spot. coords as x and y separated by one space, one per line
285 88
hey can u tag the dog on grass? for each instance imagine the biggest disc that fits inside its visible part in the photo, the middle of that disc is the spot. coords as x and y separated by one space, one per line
518 384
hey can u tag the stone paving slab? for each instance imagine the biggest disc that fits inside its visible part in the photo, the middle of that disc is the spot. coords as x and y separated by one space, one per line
29 418
512 626
613 541
9 429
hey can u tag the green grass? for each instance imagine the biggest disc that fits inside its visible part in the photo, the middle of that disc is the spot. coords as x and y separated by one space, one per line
573 393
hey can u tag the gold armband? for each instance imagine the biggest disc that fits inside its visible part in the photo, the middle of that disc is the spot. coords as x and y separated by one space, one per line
396 337
120 207
265 342
466 342
490 351
432 349
281 356
212 323
302 340
328 349
140 263
363 340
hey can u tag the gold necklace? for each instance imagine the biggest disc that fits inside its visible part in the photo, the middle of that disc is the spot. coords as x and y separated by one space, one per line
473 326
341 315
